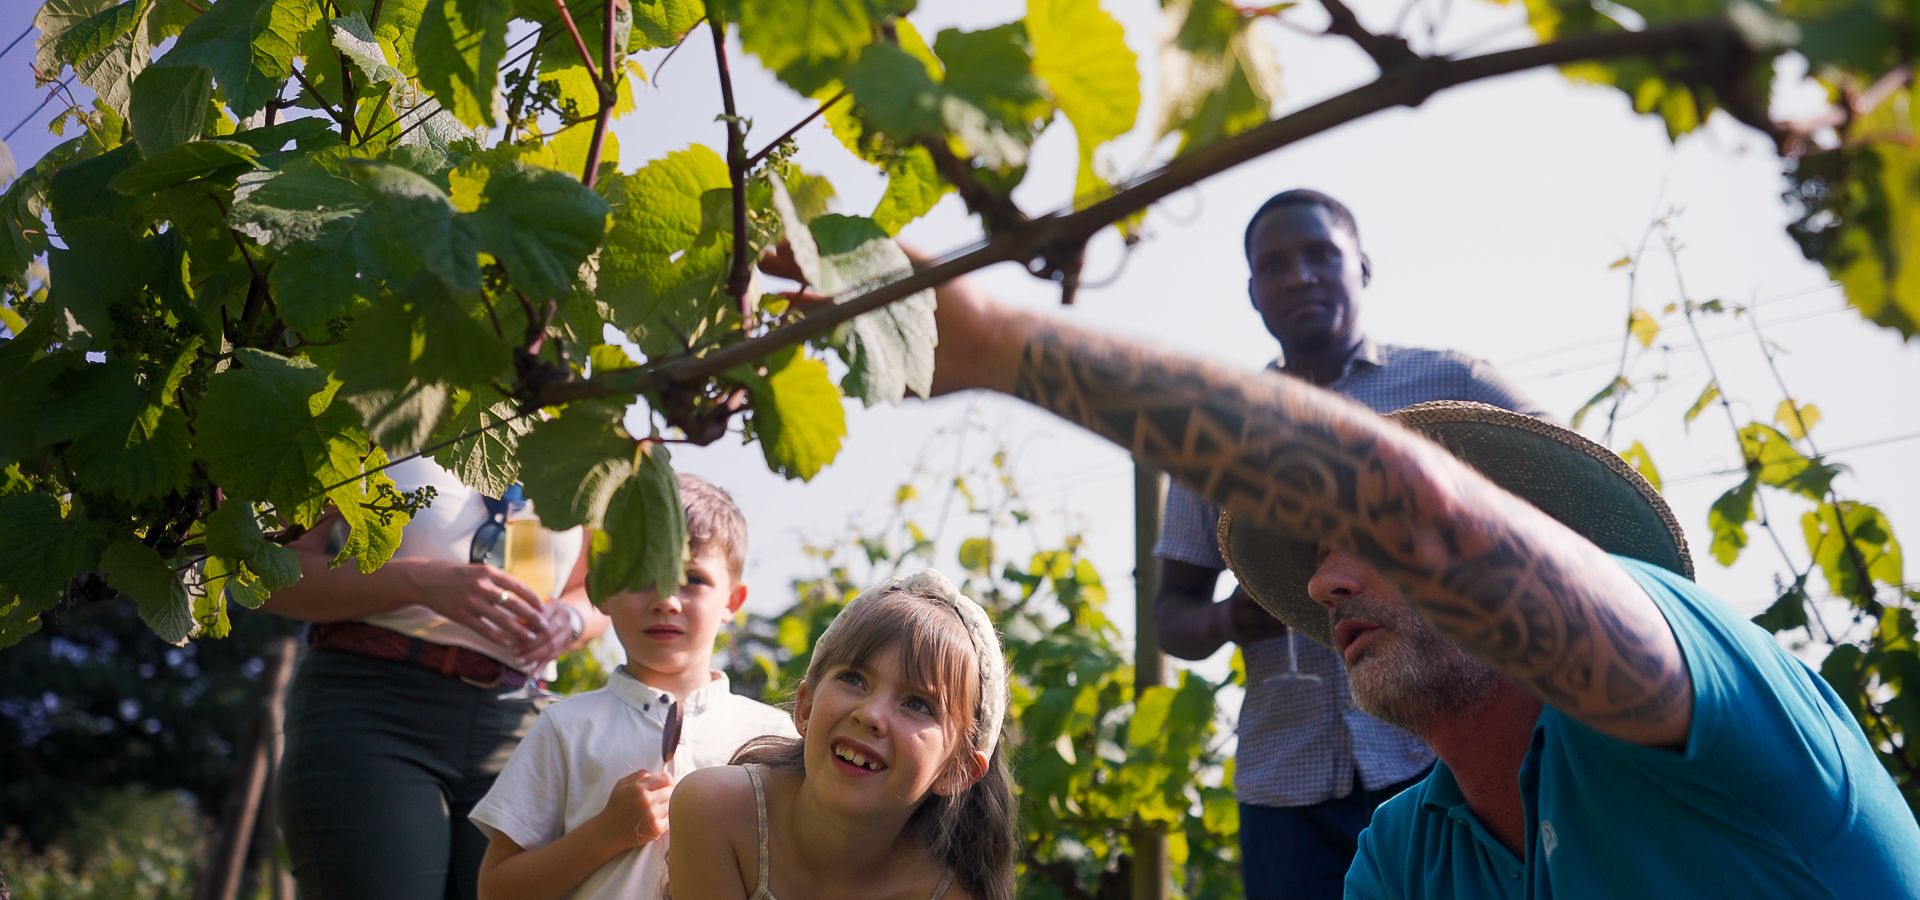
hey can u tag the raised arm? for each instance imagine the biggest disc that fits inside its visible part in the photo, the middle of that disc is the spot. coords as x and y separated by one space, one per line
1520 591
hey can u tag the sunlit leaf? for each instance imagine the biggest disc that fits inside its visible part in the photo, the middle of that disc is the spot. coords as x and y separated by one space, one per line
1636 456
642 543
460 47
1796 419
797 416
1708 394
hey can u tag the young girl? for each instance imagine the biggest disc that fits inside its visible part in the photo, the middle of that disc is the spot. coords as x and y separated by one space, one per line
895 787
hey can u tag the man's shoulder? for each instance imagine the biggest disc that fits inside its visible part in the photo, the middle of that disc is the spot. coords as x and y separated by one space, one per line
1433 357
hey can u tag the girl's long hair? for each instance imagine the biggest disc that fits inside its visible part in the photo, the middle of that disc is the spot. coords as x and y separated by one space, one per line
971 832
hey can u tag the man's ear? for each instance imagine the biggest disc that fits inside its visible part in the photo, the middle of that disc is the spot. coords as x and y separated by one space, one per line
1366 270
735 599
965 773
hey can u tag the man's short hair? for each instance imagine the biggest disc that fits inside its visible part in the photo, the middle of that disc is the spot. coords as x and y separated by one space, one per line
713 519
1341 215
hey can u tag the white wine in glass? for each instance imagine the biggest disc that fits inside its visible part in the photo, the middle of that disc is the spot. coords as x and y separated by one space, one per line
529 558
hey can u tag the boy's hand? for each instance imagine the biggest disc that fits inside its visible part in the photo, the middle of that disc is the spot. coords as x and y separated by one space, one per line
637 807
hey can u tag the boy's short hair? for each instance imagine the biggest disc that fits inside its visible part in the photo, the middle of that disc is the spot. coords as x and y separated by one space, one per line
713 519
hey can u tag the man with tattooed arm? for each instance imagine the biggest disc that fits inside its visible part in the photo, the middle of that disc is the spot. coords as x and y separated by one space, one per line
1516 597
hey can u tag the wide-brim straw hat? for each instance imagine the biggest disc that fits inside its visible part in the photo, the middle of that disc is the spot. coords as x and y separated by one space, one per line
1585 486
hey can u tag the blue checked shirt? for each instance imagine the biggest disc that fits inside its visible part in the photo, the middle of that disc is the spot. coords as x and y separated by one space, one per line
1302 740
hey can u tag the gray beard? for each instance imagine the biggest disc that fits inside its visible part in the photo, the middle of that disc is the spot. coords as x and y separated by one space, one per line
1420 678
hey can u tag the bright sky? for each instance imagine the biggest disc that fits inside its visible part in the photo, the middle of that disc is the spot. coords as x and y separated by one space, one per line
1491 215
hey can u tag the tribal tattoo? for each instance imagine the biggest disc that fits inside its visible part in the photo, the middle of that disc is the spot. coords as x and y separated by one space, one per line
1523 593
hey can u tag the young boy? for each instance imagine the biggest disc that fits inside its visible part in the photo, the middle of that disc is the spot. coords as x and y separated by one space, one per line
581 808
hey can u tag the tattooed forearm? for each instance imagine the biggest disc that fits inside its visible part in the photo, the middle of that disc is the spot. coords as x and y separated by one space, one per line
1516 589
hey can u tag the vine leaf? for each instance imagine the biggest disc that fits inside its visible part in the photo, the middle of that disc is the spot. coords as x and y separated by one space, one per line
991 100
1642 326
486 462
459 49
807 43
1727 518
658 259
1617 385
1637 456
268 431
797 416
1796 419
662 23
40 549
572 465
169 107
138 571
365 500
1080 53
890 350
541 224
642 543
1708 394
1221 80
248 45
184 163
1872 544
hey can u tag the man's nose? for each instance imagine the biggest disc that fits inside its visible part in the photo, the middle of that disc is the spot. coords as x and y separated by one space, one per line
1299 272
1337 580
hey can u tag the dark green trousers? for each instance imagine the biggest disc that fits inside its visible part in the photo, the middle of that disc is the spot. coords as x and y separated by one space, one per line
383 762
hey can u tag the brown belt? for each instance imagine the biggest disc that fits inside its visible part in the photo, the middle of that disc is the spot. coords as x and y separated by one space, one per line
361 639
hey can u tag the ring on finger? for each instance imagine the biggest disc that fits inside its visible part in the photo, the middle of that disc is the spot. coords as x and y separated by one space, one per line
502 599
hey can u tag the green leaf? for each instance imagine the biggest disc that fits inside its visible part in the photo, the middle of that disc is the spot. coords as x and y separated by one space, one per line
1642 326
248 45
230 579
139 572
416 215
54 19
184 163
1796 419
1708 394
891 349
913 187
234 531
894 94
1776 462
109 51
40 551
572 466
662 23
797 415
460 47
976 555
1787 612
807 43
651 263
277 567
642 542
1221 79
486 461
1618 384
1728 518
1855 548
1080 53
1000 104
267 430
1636 456
1860 217
366 500
357 45
169 107
542 225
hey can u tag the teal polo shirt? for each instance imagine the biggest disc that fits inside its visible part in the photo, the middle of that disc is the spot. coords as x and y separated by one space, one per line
1776 794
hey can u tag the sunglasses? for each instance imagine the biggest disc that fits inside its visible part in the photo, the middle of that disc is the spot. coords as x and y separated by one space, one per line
490 539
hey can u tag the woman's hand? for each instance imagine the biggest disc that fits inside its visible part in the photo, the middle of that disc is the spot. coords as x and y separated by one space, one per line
488 601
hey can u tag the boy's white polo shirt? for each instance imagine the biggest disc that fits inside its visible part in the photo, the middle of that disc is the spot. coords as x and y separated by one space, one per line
580 747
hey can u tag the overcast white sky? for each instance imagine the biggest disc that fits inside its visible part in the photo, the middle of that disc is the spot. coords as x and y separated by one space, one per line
1491 214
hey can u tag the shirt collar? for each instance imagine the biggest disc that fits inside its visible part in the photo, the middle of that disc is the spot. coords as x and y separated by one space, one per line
1367 353
652 700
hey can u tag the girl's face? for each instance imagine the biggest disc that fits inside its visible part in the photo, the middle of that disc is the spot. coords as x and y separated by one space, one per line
877 740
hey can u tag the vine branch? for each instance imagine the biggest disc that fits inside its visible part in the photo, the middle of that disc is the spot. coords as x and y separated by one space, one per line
755 159
1388 51
1407 86
741 272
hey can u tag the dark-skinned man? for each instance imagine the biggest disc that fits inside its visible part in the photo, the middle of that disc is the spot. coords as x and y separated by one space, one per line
1310 767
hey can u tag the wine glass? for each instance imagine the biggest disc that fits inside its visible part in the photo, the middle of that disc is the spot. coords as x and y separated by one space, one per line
528 558
1293 673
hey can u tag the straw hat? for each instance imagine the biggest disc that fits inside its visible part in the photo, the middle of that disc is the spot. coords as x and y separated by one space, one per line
1583 485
